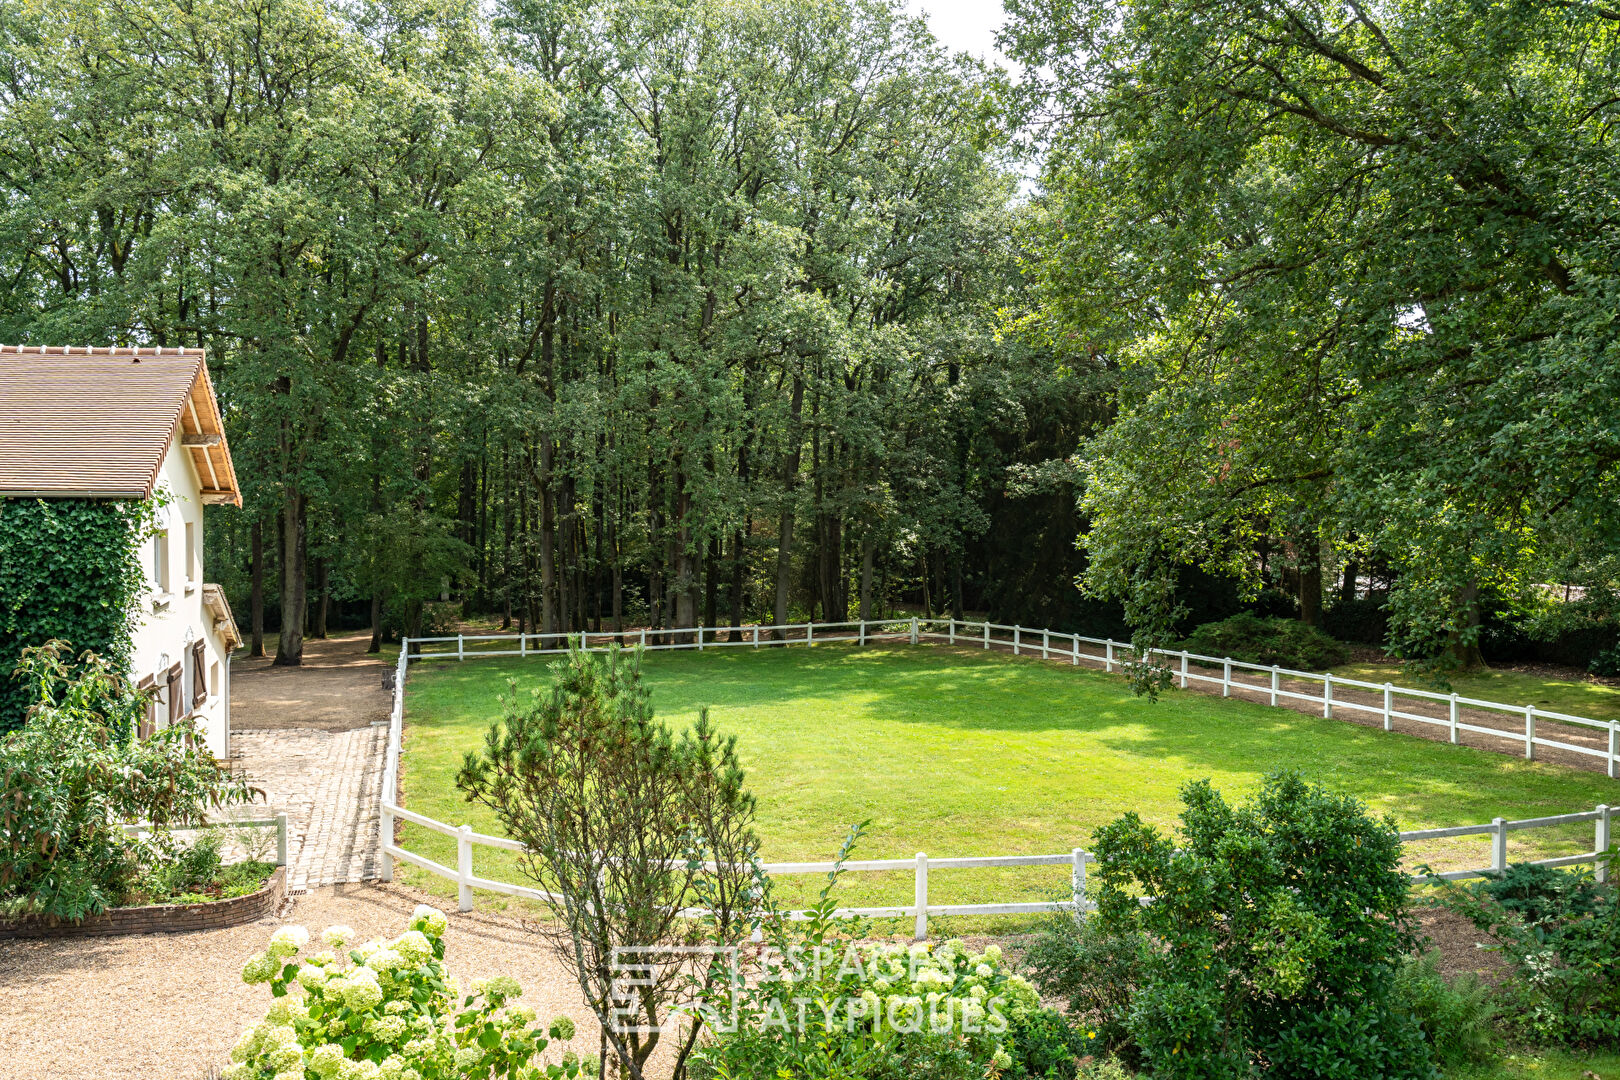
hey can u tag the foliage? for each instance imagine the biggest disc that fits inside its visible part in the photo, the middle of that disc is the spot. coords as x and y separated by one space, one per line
1352 311
821 1003
387 1010
1561 932
1455 1014
194 873
1281 924
74 772
69 571
609 803
1096 971
1606 663
1287 643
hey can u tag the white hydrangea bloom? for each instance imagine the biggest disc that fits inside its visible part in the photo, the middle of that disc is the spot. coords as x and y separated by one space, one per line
430 920
992 953
287 1058
393 1008
414 946
359 1070
327 1061
385 960
562 1027
388 1028
468 1056
290 1074
311 977
288 940
261 967
361 990
392 1068
335 936
984 971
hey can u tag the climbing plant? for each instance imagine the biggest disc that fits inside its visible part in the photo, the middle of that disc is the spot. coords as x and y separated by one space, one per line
69 571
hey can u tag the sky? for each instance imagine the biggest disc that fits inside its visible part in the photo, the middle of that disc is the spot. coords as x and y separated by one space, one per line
965 25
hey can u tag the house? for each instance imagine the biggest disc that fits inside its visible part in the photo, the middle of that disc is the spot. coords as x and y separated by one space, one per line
128 424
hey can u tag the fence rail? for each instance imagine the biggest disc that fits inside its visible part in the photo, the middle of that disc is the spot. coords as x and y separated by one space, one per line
1021 641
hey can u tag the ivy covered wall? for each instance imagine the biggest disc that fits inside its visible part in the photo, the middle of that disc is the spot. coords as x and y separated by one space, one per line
69 569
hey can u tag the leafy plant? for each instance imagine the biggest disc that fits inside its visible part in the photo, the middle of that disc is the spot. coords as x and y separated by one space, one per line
387 1010
1606 662
74 774
1278 927
1562 937
1455 1014
1287 643
1094 969
625 825
69 570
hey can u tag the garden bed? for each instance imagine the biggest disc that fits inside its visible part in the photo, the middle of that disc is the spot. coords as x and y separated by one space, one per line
159 918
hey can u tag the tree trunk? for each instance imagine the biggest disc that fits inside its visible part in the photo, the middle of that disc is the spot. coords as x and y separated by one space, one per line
784 534
868 554
735 592
376 624
290 645
711 585
317 622
548 543
956 586
1310 579
1463 649
256 595
1347 587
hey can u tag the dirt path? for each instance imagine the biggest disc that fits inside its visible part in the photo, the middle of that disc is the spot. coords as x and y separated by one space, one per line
171 1006
313 738
338 688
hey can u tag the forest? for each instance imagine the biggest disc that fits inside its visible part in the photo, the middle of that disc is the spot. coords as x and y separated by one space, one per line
574 315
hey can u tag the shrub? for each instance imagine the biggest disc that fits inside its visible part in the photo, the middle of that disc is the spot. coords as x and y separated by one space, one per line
1285 642
388 1011
877 1011
74 773
1092 969
1455 1014
1561 932
1606 662
1278 928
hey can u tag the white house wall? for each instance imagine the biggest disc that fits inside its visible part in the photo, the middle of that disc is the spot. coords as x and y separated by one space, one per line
170 621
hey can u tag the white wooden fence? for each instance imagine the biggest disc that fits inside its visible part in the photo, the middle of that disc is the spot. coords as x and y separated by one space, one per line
1020 640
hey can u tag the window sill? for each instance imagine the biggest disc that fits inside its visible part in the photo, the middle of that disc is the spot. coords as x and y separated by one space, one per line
160 600
190 588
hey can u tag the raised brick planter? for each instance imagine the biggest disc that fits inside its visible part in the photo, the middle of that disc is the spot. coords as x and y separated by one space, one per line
158 918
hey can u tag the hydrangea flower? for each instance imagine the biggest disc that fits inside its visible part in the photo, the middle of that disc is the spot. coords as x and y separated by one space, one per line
430 920
288 940
501 986
468 1056
326 1061
335 936
562 1028
311 977
1001 1059
280 1012
992 953
414 946
385 960
361 991
359 1070
984 971
261 967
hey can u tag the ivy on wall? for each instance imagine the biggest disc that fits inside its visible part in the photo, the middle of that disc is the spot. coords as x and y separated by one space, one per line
69 569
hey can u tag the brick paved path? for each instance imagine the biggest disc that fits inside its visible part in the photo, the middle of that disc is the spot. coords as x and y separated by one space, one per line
327 779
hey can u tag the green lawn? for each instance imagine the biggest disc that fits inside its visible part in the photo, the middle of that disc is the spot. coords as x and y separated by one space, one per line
963 753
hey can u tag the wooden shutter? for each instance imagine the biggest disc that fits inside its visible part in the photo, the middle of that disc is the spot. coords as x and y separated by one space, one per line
175 682
199 673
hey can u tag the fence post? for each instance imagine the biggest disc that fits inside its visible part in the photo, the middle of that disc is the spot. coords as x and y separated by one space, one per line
1529 733
1226 677
1077 881
643 637
464 867
1600 868
523 644
863 631
1184 669
756 636
1327 696
700 639
1389 696
952 626
1017 632
1075 638
1274 674
281 843
920 896
1499 844
461 649
1454 717
1108 656
1612 756
987 633
809 633
1046 644
914 629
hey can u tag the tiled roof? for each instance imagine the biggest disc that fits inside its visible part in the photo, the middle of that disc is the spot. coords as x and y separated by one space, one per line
96 423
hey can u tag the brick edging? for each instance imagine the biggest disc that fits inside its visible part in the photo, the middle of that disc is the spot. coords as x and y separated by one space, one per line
158 918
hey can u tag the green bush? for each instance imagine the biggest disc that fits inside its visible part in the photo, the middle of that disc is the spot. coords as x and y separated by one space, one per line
69 570
1561 932
1278 928
74 773
1455 1014
1285 642
1094 971
388 1010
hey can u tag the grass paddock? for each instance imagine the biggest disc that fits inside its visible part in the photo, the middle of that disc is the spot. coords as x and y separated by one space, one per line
957 753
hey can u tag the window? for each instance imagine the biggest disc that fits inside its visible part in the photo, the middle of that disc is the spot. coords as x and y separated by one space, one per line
213 678
160 561
191 554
